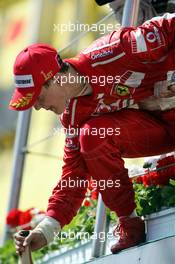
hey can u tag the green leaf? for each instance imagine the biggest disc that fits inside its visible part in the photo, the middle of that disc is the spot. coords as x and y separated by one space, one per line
172 182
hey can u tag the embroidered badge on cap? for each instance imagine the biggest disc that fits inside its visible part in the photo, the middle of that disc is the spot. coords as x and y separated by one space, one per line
23 101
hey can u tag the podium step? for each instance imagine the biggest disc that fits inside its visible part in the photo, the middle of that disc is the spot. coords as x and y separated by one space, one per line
159 251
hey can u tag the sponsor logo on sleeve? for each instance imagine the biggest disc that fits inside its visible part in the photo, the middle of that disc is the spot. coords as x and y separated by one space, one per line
142 42
156 37
101 54
72 142
151 37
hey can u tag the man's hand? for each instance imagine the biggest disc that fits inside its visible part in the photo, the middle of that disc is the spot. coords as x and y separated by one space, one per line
35 240
169 92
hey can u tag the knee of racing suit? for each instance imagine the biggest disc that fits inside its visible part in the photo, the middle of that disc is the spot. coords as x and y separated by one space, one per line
101 152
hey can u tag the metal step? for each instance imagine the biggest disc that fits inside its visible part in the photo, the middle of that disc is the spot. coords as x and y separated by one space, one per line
159 251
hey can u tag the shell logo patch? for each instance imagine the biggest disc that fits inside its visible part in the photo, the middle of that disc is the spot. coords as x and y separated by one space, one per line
122 90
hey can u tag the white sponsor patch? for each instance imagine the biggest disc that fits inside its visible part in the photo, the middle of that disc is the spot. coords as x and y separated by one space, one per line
109 60
138 41
102 44
135 79
101 55
24 81
100 95
73 111
142 42
127 103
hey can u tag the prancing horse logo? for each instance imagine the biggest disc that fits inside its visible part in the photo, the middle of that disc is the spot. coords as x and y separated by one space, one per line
122 90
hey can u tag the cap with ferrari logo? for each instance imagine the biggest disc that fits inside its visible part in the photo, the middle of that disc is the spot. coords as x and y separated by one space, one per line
33 66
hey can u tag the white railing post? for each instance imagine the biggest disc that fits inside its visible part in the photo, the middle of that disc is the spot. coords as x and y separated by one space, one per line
130 13
98 244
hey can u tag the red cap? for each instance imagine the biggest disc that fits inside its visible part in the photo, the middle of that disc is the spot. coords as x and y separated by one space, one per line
33 66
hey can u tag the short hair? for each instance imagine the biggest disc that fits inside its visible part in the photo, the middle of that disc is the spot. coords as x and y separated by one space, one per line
47 83
64 67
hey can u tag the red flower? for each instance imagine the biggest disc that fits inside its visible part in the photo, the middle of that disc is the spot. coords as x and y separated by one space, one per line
25 217
146 180
86 203
150 178
139 180
17 217
161 176
94 195
13 218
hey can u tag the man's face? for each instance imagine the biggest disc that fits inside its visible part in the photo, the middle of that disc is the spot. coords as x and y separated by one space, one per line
52 97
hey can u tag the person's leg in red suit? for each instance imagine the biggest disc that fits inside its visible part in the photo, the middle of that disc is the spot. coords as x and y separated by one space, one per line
141 134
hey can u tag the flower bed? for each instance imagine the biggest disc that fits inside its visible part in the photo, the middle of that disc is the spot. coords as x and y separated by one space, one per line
155 198
156 189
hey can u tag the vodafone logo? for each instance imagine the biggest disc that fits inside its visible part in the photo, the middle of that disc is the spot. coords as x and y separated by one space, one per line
151 37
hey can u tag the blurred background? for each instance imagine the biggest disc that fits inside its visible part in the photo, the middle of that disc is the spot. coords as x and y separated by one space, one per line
23 22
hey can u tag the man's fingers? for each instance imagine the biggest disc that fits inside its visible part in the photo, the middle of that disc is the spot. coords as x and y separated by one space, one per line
20 235
35 240
18 243
19 249
28 239
19 239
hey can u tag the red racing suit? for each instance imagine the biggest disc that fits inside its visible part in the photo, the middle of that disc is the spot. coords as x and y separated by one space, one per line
123 68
